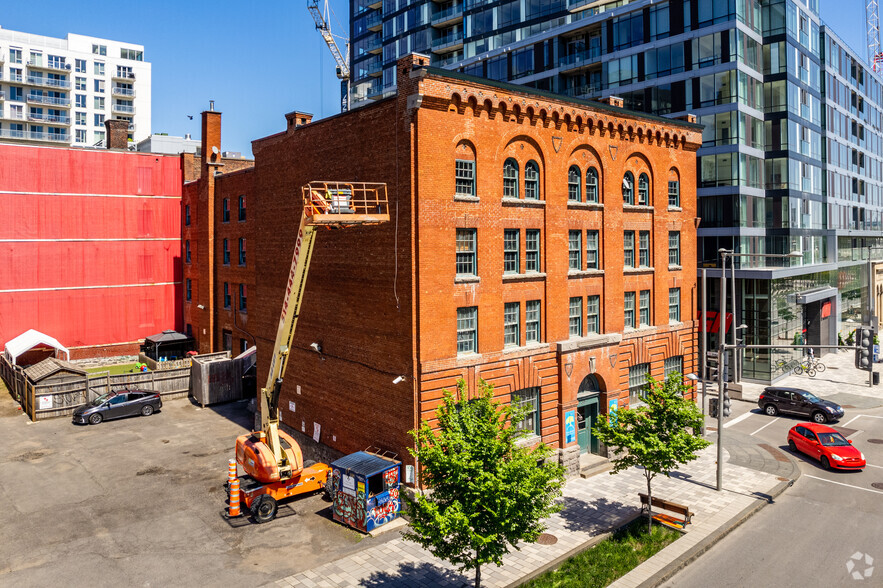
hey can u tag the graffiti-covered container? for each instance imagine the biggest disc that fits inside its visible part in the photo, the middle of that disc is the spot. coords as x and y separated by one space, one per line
365 490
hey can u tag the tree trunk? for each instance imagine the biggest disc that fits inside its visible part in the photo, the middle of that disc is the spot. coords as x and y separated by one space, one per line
478 576
649 507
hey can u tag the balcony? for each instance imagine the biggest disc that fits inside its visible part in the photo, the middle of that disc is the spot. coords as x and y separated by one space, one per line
127 92
374 21
447 60
49 66
375 45
448 17
580 60
35 136
376 5
12 134
49 82
123 108
15 77
49 118
123 75
378 92
448 43
585 91
52 100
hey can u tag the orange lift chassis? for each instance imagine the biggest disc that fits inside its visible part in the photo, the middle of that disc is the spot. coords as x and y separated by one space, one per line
270 459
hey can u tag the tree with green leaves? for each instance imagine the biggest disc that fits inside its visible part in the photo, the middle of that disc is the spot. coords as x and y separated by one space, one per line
487 492
657 436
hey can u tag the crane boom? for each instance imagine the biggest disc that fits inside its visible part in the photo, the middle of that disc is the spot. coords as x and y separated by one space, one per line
343 69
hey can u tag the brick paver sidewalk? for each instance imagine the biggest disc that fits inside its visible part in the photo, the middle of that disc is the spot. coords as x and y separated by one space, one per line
592 507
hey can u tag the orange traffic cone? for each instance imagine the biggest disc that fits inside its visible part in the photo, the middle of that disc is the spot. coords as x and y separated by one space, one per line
233 511
231 471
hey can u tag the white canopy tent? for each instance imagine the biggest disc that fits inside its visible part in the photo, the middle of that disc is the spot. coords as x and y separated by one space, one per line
28 340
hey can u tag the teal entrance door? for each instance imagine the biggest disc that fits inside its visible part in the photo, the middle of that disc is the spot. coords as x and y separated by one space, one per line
586 417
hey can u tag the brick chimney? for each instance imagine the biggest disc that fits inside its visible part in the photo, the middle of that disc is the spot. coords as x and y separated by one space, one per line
117 134
211 136
613 101
297 119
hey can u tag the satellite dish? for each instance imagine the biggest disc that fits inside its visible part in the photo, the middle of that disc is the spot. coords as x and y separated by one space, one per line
214 150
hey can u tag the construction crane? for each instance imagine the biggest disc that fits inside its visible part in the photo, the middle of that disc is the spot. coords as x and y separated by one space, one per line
271 459
872 15
324 28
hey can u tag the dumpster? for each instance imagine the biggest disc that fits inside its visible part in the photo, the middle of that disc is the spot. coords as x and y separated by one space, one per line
365 490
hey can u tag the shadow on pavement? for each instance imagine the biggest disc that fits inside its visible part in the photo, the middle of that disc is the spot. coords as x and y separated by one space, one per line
593 517
235 411
416 574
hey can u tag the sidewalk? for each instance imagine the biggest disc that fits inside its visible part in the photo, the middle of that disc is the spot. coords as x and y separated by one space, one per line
592 508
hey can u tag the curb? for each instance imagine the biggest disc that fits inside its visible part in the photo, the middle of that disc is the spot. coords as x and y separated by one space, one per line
554 564
681 562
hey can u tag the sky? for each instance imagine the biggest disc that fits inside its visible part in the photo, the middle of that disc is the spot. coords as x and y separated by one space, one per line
256 59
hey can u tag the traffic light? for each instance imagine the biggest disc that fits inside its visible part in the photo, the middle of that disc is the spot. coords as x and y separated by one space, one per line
727 404
864 354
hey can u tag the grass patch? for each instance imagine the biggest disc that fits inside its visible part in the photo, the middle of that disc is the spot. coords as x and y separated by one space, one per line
610 559
122 368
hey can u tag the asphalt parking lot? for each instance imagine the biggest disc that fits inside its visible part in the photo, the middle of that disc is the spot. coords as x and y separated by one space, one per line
139 502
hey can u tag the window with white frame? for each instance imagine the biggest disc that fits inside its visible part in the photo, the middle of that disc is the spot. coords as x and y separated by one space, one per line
593 314
80 135
575 250
638 382
628 307
576 317
80 101
510 179
674 194
532 181
674 248
466 243
532 325
528 398
629 248
592 185
673 365
467 329
674 304
532 250
80 65
80 84
465 177
574 188
511 238
511 329
644 249
592 250
644 308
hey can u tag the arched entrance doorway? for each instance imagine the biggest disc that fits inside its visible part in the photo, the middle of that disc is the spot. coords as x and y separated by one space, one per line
588 406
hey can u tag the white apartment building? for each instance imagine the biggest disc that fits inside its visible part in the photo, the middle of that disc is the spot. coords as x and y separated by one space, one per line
60 91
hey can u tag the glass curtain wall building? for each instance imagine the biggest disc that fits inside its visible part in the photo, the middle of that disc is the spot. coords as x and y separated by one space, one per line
791 149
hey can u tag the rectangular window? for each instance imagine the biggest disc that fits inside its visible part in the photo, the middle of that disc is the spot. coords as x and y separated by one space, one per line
227 336
80 84
80 100
592 250
80 65
227 301
99 49
644 308
80 135
99 86
674 248
528 398
242 208
575 250
188 285
511 318
226 252
99 120
644 249
628 306
466 239
465 177
629 248
225 215
187 251
576 317
673 365
241 250
511 238
99 137
593 314
674 194
674 305
14 55
243 307
98 103
186 215
467 329
638 382
532 250
532 322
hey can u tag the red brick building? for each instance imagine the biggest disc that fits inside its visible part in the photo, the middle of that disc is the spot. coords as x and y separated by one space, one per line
542 244
90 243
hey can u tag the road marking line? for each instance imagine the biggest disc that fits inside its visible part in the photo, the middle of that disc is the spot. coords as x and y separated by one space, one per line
738 419
870 416
870 465
856 434
765 426
842 484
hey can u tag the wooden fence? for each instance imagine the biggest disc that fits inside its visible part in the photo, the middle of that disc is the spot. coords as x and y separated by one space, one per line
61 397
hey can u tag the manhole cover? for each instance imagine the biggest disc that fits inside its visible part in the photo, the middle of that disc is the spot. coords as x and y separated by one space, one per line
878 485
547 539
878 441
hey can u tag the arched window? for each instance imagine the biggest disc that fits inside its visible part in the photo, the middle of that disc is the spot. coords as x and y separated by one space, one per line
592 185
644 190
510 179
532 181
574 191
628 188
674 189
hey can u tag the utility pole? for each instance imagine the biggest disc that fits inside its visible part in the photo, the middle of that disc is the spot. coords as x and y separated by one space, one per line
721 370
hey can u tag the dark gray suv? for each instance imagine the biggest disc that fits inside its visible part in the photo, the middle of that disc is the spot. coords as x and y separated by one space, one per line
776 399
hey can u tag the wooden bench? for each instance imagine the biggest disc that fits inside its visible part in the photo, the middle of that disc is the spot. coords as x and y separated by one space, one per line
666 519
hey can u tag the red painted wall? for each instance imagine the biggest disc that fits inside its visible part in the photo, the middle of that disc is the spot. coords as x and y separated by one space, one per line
91 243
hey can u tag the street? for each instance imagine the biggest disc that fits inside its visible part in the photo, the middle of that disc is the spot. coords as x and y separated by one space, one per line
811 532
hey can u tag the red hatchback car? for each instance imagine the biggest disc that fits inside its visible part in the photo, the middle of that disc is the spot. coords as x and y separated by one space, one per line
826 445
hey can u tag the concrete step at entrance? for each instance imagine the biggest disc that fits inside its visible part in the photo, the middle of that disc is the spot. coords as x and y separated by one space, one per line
590 465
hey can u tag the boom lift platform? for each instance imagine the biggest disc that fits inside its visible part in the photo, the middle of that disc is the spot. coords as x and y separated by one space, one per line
271 459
